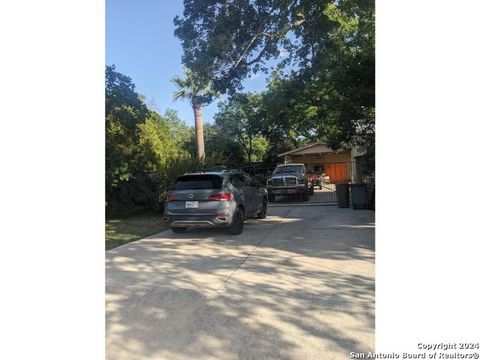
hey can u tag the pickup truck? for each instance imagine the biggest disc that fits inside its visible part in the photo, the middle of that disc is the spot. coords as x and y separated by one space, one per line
289 180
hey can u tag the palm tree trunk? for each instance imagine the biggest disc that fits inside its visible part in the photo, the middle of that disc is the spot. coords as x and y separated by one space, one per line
197 111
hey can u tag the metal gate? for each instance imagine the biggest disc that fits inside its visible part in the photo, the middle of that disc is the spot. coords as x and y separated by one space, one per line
324 186
324 179
324 182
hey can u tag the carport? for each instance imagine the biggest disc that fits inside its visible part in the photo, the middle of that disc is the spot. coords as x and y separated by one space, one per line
320 159
325 166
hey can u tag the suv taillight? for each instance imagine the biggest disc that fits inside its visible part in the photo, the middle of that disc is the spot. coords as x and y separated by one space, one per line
223 196
171 197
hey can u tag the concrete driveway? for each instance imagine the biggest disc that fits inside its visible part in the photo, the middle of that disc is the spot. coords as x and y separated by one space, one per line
297 285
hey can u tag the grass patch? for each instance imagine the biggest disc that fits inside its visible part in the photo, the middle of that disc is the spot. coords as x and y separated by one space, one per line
123 230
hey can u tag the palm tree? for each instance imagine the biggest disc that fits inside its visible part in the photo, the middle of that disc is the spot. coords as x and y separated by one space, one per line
198 93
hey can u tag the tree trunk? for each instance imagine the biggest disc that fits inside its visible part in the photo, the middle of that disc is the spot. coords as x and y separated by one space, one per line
197 111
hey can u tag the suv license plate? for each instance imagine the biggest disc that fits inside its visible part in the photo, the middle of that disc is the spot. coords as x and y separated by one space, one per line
191 204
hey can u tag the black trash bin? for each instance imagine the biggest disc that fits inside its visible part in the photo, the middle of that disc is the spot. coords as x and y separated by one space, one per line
359 196
371 196
342 195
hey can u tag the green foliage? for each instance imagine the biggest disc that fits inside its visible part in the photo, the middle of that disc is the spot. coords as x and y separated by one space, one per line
181 133
193 88
145 151
330 44
259 148
240 119
165 138
227 41
220 147
124 111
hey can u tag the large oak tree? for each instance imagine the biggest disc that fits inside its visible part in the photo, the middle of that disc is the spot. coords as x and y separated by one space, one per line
328 44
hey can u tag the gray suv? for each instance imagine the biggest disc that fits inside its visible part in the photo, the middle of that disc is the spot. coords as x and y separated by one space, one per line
221 199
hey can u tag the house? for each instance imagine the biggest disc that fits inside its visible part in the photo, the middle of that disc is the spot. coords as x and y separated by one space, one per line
338 165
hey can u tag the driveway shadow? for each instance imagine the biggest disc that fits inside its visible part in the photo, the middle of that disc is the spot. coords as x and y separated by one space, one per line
297 285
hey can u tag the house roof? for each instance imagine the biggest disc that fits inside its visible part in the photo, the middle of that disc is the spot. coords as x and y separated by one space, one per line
315 148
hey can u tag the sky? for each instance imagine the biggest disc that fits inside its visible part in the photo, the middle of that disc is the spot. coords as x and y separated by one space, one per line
141 44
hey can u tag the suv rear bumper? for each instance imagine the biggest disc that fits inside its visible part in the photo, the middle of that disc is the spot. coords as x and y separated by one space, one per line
198 221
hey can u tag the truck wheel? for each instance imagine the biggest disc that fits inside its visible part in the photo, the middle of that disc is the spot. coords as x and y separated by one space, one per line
237 224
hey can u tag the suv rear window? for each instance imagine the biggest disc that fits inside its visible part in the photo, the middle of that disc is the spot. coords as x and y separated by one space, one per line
191 182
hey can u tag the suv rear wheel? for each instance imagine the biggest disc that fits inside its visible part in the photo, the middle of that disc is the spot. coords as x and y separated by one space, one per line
237 224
